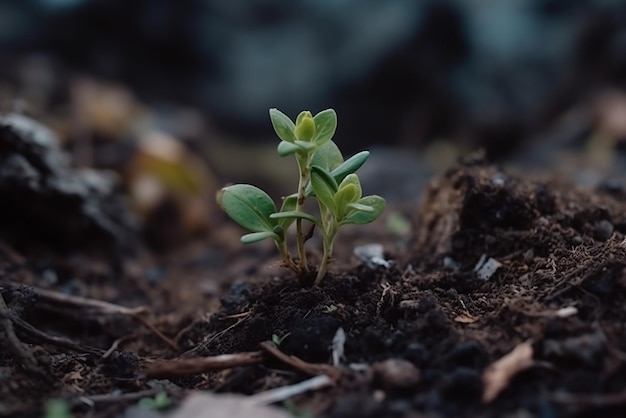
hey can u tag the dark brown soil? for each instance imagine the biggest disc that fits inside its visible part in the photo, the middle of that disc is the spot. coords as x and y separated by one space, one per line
559 247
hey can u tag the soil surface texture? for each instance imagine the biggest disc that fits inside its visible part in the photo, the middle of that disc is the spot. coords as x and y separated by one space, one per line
506 298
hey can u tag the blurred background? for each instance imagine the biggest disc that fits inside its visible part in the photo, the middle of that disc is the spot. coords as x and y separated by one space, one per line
173 96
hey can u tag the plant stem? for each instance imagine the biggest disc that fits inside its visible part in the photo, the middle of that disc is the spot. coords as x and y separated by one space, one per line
303 167
329 238
282 249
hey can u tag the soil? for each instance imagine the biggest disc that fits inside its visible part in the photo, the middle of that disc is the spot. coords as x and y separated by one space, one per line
421 333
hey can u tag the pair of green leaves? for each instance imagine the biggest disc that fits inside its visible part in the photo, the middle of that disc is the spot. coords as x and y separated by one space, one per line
251 208
307 134
344 200
254 209
334 183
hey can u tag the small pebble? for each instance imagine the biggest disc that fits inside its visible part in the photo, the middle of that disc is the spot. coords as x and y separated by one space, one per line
397 374
604 229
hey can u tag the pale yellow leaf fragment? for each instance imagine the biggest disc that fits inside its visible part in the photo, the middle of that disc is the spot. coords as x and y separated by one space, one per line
466 319
498 374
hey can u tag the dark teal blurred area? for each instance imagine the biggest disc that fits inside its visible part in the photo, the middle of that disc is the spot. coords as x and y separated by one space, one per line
398 72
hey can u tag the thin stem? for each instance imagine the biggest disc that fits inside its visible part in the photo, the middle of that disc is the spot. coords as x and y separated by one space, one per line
282 249
303 167
330 230
328 252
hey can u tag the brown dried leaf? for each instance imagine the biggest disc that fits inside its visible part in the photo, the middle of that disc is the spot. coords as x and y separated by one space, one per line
498 374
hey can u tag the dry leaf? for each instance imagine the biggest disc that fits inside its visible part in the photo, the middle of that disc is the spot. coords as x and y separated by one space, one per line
498 374
466 319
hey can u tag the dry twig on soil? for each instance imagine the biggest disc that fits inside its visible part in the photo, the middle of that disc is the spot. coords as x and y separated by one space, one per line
54 340
13 344
286 392
96 307
301 365
183 367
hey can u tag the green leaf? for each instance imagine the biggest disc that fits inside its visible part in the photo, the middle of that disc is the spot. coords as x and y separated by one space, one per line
306 146
327 156
305 126
286 148
258 236
289 204
283 126
324 186
349 192
294 214
377 203
301 115
351 165
325 126
346 195
351 179
361 207
249 206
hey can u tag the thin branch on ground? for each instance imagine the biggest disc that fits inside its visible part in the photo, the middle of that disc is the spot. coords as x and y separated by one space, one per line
205 344
14 346
117 343
44 338
286 392
97 307
171 368
301 365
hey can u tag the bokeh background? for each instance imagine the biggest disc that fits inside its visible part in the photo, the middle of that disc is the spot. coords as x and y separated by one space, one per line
173 95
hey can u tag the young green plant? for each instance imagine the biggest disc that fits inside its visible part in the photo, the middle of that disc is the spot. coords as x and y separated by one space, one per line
322 174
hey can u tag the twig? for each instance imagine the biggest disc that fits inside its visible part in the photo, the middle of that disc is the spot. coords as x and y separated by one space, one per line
51 339
286 392
117 343
14 345
185 367
205 344
91 305
301 365
114 397
156 332
97 307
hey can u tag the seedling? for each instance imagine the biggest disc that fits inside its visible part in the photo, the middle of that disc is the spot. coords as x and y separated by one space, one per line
160 402
279 340
323 175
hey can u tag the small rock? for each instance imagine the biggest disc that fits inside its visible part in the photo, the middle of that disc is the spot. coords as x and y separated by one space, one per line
604 229
372 255
396 374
